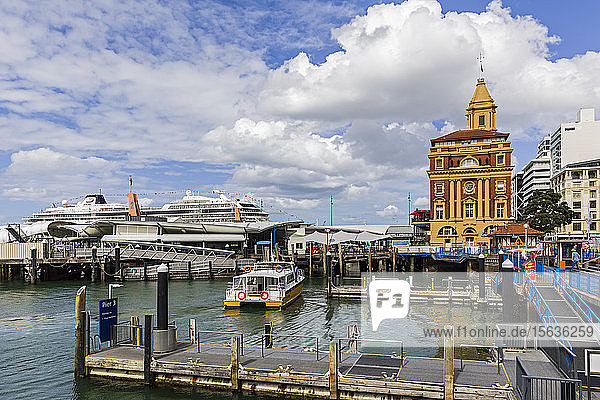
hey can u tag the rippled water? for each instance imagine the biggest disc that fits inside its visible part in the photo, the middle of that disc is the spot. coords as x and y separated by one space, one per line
36 331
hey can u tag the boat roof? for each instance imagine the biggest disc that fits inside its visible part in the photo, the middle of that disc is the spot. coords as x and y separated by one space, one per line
266 273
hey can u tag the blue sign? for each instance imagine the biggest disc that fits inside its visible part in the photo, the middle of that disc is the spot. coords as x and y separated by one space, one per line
108 318
396 243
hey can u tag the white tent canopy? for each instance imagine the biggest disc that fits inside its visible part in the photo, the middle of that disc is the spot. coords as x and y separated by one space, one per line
369 237
317 237
341 237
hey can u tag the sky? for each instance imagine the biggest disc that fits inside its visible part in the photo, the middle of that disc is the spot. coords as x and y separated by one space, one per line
290 102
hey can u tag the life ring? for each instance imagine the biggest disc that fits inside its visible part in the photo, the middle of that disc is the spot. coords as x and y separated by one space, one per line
248 268
134 271
264 295
241 295
278 268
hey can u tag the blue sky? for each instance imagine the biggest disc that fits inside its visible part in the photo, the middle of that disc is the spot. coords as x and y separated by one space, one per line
289 101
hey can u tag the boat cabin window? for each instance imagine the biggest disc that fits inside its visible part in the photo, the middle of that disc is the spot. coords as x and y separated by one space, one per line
238 282
255 283
271 281
290 278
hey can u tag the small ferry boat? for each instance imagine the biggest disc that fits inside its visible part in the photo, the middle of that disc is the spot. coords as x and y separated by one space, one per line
274 284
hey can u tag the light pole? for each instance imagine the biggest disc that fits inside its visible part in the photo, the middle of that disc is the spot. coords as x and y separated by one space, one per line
110 289
526 225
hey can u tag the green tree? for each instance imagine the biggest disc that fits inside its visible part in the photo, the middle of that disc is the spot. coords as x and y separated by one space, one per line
545 212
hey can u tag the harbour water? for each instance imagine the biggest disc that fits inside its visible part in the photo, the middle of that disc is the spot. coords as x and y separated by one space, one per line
36 331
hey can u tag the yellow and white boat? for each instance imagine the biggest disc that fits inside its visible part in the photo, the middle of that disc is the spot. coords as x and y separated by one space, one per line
274 284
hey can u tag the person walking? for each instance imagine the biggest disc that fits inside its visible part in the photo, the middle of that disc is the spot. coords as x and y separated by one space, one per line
575 258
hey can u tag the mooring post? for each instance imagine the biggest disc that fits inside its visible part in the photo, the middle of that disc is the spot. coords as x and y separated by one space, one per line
33 268
235 363
210 273
507 292
103 271
393 260
79 367
94 261
148 378
333 370
481 259
145 271
449 362
189 266
162 297
370 260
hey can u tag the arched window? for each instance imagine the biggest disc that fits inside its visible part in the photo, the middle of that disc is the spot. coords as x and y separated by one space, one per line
447 231
470 231
469 162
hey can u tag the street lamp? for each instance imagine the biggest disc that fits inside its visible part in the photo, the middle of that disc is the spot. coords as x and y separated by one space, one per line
110 288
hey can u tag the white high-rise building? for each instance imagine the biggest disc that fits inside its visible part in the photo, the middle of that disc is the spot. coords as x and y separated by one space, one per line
575 142
534 176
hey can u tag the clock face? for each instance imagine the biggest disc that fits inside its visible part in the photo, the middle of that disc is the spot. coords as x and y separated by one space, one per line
469 186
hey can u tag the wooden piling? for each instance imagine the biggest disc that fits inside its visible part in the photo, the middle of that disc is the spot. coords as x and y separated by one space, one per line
94 265
309 259
189 270
449 363
393 260
235 363
210 273
145 271
103 271
118 266
148 377
79 364
33 269
370 260
192 331
333 370
341 255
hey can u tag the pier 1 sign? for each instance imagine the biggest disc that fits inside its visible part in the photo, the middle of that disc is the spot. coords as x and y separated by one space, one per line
108 318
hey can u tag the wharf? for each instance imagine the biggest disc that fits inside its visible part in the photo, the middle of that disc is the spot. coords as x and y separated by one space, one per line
287 371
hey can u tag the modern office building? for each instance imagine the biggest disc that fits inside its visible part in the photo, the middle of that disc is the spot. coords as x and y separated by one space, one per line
534 176
470 177
578 185
574 142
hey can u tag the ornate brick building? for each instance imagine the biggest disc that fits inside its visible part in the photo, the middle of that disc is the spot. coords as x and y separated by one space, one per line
469 177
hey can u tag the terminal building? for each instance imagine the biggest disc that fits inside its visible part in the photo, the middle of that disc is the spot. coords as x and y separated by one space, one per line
470 177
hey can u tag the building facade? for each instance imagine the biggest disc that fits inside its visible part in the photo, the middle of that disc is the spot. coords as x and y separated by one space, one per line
578 185
470 177
575 142
534 176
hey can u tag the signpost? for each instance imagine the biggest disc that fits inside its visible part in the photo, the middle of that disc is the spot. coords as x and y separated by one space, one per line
108 317
530 270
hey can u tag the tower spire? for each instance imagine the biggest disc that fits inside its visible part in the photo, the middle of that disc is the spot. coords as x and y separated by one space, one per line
480 58
481 112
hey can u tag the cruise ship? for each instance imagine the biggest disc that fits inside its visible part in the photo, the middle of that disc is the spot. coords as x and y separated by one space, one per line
192 208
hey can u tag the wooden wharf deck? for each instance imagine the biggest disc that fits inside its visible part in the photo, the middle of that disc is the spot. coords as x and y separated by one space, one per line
286 371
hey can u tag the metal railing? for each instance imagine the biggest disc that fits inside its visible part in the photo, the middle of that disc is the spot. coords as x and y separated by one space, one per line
530 387
273 335
476 346
221 333
352 345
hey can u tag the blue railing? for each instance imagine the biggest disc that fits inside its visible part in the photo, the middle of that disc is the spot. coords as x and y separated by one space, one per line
585 282
582 308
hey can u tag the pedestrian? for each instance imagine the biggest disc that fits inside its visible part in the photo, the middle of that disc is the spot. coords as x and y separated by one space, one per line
575 258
